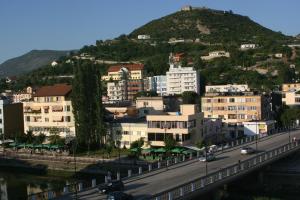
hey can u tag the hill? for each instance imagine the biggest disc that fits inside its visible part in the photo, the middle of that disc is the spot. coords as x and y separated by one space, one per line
29 61
208 25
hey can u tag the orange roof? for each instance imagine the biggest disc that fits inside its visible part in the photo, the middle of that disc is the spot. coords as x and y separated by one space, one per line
130 67
53 90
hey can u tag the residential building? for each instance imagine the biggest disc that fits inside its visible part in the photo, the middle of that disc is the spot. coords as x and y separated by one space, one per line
181 79
229 88
125 71
248 46
24 95
235 108
143 37
128 130
216 54
117 90
212 130
291 94
50 111
184 126
134 86
260 128
156 105
11 118
158 84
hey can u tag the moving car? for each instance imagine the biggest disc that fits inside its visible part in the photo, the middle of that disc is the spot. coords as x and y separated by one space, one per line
207 158
247 150
111 187
118 195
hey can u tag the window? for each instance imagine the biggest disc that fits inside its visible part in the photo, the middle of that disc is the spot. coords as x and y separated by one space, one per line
125 132
231 100
68 108
0 121
46 119
68 118
27 118
297 99
0 111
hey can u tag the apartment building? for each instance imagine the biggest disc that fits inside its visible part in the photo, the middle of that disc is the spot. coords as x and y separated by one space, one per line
128 130
11 118
181 79
50 111
235 108
291 94
158 84
229 88
117 90
131 71
184 126
24 95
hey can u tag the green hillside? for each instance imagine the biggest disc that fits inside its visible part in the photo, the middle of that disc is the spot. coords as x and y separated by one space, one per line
29 61
209 26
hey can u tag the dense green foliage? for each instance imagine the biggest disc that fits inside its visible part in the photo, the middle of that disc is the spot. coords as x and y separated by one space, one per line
87 106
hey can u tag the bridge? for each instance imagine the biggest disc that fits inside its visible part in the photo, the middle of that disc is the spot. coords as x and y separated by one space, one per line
185 180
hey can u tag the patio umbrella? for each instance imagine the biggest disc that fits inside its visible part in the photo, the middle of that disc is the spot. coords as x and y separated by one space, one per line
21 145
149 150
134 150
30 145
177 150
13 144
160 150
187 152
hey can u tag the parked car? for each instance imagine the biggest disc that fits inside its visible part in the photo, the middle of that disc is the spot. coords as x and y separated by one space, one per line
247 150
207 158
118 195
213 148
111 187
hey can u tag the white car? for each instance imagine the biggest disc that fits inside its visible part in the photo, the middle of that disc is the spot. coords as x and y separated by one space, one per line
247 150
208 158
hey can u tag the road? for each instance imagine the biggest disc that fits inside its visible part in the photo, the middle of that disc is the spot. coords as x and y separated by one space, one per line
161 180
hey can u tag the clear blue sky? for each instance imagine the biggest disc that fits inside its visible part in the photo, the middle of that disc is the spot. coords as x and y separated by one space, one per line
70 24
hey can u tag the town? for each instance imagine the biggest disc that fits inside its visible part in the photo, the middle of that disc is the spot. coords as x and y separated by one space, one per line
155 114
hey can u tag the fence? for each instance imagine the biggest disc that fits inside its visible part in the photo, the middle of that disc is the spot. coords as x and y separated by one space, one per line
222 175
77 187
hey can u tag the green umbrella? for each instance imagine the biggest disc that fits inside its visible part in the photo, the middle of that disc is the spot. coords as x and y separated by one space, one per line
21 145
46 146
38 146
149 150
177 150
13 144
30 145
160 150
189 151
134 150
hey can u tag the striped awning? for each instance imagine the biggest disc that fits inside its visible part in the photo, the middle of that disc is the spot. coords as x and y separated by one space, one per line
57 108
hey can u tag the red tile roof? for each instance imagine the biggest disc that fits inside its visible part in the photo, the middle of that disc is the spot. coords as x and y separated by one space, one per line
130 67
53 90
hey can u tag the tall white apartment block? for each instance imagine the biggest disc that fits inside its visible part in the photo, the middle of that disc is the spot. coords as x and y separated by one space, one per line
181 79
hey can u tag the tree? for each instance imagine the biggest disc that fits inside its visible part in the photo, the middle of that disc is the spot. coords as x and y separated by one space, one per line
190 97
138 144
29 137
40 138
170 143
87 105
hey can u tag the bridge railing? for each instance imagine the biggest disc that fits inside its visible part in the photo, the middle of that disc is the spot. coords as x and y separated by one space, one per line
221 175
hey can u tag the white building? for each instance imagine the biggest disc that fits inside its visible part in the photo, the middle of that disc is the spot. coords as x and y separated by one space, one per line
3 101
226 88
260 128
158 84
143 37
216 54
248 46
181 79
117 90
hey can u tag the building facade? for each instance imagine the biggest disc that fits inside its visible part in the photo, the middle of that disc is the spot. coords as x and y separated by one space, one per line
184 126
229 88
234 109
181 79
216 54
260 128
131 71
50 111
158 84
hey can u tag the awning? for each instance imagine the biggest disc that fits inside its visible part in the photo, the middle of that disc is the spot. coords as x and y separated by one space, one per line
57 108
57 118
160 150
35 108
46 107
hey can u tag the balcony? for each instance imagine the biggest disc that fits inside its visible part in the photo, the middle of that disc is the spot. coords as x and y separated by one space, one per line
32 110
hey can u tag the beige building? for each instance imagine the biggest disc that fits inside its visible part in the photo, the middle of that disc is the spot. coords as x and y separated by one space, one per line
50 111
235 109
291 94
184 126
24 95
132 71
128 130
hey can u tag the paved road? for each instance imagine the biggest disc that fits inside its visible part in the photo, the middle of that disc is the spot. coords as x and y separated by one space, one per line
161 180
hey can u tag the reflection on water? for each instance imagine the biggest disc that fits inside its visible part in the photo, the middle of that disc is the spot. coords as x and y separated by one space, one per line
17 185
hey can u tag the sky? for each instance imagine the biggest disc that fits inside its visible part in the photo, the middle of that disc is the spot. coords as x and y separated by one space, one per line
70 24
